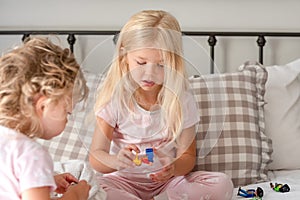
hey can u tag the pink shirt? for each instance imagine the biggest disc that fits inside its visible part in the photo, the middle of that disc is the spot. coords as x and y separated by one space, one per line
24 165
144 128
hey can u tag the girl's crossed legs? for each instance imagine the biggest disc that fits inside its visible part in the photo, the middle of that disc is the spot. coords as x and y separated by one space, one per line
196 185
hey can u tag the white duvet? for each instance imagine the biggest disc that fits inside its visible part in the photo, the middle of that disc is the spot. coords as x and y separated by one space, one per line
82 171
290 177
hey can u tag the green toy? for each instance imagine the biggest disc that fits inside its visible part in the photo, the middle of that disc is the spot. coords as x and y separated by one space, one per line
256 198
280 187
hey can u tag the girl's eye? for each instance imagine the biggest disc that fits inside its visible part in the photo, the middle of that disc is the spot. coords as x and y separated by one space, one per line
141 63
160 65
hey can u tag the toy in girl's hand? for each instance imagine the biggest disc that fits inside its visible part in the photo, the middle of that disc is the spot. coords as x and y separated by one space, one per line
137 161
251 192
148 159
280 187
150 155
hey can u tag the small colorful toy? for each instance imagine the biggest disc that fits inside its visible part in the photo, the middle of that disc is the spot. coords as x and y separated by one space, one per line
137 161
256 198
258 193
148 159
280 187
150 155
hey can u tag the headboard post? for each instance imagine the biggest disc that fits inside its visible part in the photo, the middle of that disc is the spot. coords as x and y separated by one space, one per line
25 36
71 40
261 41
212 42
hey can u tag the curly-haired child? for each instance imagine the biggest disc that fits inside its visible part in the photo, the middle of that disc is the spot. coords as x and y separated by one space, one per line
37 91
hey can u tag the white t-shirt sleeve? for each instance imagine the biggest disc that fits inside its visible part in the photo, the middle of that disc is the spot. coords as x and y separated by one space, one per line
108 114
190 111
34 167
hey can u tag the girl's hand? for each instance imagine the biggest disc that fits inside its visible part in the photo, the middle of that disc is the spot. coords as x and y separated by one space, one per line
63 181
168 171
79 191
125 157
165 174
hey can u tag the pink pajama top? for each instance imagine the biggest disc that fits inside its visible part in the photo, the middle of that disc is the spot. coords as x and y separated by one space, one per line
24 164
145 129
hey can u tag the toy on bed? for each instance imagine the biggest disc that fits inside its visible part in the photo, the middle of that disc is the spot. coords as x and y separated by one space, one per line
280 187
258 193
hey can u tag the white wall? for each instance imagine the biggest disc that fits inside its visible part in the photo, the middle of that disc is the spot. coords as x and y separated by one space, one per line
199 15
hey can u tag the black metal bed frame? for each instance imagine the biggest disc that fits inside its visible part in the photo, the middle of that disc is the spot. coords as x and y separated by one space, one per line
212 37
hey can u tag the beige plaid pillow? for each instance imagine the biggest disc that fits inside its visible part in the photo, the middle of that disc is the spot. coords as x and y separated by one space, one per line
230 135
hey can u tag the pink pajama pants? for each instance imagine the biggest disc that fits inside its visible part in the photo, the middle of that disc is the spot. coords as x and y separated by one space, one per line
194 186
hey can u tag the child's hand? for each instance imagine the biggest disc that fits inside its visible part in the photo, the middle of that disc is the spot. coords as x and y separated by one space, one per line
63 181
125 157
168 170
79 191
163 175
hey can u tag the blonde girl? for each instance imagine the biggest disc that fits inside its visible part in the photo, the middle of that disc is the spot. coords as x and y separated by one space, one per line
145 103
36 93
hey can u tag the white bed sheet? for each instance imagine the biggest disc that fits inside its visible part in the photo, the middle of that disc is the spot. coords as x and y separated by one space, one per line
290 177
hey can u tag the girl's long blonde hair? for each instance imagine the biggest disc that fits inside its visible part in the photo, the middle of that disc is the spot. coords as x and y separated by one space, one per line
36 68
149 29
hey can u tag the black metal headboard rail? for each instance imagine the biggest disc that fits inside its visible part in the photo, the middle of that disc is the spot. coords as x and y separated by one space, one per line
212 37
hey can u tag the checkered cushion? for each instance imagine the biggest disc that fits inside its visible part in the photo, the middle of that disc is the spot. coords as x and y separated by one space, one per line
75 140
230 135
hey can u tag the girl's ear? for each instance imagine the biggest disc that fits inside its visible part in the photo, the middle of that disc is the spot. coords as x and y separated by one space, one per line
122 51
40 105
123 56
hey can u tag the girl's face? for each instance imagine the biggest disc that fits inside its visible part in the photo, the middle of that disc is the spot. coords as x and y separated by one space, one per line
54 118
146 67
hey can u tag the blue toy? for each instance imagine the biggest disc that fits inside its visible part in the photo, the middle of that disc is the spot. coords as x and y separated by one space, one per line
251 192
150 155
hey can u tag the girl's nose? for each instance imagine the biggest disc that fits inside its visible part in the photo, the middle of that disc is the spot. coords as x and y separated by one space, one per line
149 68
152 69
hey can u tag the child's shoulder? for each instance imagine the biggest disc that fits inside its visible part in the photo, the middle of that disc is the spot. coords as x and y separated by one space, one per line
19 142
188 96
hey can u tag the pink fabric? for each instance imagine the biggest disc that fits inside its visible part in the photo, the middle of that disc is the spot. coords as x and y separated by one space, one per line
194 186
145 129
24 165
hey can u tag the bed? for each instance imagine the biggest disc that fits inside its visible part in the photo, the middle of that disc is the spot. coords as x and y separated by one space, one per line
250 118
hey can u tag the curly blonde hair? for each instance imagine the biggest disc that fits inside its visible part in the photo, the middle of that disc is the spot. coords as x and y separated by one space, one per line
36 68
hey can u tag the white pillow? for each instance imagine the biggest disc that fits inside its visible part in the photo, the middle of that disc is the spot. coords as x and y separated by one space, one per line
282 114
